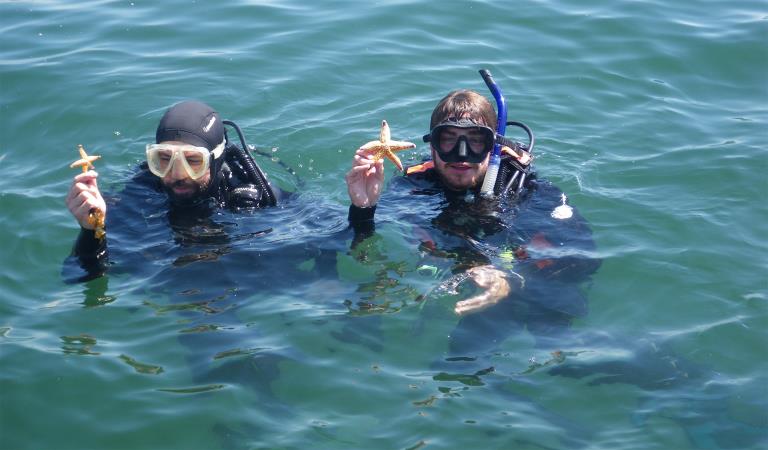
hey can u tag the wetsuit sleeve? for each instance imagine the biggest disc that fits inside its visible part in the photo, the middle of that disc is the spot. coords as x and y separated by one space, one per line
559 258
362 223
558 248
89 258
566 255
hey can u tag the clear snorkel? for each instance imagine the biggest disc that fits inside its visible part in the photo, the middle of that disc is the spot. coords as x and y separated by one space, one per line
501 123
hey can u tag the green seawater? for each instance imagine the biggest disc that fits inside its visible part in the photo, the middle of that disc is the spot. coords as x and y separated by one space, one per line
652 116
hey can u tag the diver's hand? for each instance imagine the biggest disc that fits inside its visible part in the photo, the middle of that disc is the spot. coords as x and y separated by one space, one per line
365 179
84 197
496 286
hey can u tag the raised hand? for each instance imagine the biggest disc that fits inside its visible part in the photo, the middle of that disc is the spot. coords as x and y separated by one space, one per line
365 179
84 199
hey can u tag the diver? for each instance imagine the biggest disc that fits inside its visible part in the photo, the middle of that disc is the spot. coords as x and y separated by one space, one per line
193 162
173 228
528 252
532 257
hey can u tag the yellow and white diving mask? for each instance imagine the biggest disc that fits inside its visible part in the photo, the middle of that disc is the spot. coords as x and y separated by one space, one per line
195 160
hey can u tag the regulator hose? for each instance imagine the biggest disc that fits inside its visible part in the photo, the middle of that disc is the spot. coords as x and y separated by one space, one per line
252 170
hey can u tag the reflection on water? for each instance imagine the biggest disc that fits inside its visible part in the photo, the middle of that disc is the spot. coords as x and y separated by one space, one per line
79 345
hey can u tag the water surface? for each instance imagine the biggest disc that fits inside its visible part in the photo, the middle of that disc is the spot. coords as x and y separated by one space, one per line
651 116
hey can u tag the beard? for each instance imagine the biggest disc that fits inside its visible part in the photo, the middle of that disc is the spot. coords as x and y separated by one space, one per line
472 180
455 180
189 192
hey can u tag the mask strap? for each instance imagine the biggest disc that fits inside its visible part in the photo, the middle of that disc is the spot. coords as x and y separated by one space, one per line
219 150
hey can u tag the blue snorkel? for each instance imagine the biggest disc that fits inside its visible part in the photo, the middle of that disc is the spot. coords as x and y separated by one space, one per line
501 123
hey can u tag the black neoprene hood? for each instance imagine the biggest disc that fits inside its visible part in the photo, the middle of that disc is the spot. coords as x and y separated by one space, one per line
191 122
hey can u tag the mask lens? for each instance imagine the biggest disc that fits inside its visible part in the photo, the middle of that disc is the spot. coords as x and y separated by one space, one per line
162 157
196 163
479 142
447 141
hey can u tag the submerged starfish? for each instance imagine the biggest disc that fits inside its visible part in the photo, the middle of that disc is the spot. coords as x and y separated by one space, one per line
385 147
85 161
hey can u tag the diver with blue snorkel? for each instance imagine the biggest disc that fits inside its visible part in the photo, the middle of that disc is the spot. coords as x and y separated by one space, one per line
479 211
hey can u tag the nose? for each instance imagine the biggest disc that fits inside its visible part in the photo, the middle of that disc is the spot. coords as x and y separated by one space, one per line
177 171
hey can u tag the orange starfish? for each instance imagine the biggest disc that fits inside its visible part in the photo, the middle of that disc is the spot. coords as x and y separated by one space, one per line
85 161
385 147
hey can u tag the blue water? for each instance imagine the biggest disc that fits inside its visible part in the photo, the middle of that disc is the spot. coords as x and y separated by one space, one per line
651 116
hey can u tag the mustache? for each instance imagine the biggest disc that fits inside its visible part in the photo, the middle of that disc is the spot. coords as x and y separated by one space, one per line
181 198
181 183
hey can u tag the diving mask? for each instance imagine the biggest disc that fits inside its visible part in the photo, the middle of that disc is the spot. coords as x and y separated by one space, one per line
454 145
195 160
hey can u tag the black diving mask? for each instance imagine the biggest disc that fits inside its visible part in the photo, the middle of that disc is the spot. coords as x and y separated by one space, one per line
461 141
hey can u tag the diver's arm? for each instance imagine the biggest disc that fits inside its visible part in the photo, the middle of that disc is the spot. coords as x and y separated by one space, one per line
561 249
540 257
89 252
557 262
89 257
495 285
364 183
361 221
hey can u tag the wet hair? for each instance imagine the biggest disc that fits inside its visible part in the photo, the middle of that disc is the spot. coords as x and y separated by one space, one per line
462 104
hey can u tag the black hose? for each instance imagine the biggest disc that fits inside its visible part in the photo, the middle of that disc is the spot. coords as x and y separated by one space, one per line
509 183
502 175
516 147
253 171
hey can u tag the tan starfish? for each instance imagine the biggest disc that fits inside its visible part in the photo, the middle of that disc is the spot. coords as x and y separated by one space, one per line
385 147
85 161
96 219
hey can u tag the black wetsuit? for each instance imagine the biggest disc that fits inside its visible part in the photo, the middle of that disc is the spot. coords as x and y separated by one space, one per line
89 258
515 233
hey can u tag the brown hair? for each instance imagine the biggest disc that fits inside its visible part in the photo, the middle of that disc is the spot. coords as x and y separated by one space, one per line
464 104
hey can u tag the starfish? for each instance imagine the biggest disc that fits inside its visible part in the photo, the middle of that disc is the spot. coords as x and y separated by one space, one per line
385 147
85 161
96 219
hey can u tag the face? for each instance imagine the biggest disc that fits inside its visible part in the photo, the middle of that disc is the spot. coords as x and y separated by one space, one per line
177 182
460 175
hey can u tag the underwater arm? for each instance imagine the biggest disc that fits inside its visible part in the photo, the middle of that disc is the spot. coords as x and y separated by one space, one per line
495 285
89 258
557 261
561 246
362 223
84 202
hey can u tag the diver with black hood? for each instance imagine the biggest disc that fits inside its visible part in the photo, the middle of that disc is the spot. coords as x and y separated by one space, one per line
193 161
